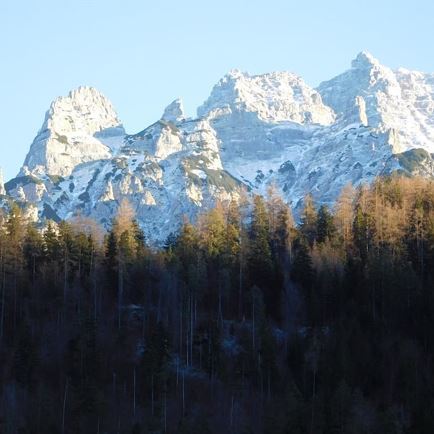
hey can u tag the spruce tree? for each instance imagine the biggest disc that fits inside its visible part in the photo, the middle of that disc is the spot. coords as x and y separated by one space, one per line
308 225
51 242
33 250
325 225
260 259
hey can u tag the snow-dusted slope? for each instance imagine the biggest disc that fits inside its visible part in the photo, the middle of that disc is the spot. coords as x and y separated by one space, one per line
169 170
251 132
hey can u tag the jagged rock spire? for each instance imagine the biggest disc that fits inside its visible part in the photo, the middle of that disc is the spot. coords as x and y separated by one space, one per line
364 60
174 112
67 137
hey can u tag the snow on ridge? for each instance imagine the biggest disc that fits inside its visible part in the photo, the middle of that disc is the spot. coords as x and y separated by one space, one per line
252 131
274 97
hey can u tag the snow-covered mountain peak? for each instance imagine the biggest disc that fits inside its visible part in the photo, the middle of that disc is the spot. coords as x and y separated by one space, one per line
273 97
85 109
367 79
67 137
235 73
174 112
364 60
400 102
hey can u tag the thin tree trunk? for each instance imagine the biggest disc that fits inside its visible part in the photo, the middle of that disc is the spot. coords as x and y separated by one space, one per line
15 293
232 411
183 392
253 324
120 292
192 329
65 277
152 394
240 289
134 393
165 411
95 291
180 330
313 401
3 303
187 345
64 406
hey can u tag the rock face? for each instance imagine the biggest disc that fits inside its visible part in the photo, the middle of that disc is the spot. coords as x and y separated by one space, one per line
68 136
279 96
174 112
401 100
251 132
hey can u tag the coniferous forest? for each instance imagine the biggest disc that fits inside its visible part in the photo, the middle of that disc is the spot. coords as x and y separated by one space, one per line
244 322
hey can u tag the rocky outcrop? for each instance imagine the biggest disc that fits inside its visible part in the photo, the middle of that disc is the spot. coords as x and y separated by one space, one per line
68 135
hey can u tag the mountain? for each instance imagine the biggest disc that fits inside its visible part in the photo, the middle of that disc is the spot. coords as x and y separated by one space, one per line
401 101
252 131
78 128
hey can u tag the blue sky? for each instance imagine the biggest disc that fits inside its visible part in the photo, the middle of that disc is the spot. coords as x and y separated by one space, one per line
144 54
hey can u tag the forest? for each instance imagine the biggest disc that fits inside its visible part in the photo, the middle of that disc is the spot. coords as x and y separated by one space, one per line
247 321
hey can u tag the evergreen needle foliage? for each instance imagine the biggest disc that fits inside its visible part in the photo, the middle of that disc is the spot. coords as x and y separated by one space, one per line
243 322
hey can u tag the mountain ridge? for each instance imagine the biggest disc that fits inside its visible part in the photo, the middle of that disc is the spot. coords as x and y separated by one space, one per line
252 131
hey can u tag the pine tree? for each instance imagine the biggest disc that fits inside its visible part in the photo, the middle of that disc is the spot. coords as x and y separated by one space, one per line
187 247
15 233
33 250
262 270
325 225
68 255
170 242
139 239
236 244
212 227
302 269
15 225
282 226
308 225
344 214
52 244
363 232
111 260
260 259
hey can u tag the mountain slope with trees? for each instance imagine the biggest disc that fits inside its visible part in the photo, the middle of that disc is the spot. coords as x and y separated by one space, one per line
245 322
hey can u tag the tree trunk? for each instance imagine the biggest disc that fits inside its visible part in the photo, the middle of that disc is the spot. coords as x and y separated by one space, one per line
64 406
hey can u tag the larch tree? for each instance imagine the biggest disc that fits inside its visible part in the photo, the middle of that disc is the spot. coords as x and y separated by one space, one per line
282 226
344 213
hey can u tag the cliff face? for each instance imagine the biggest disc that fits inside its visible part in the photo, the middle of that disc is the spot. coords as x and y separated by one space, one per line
69 134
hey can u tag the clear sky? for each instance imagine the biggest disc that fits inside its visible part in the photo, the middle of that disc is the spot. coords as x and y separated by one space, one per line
143 54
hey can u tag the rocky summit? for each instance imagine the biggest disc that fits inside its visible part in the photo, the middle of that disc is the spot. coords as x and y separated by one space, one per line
252 132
